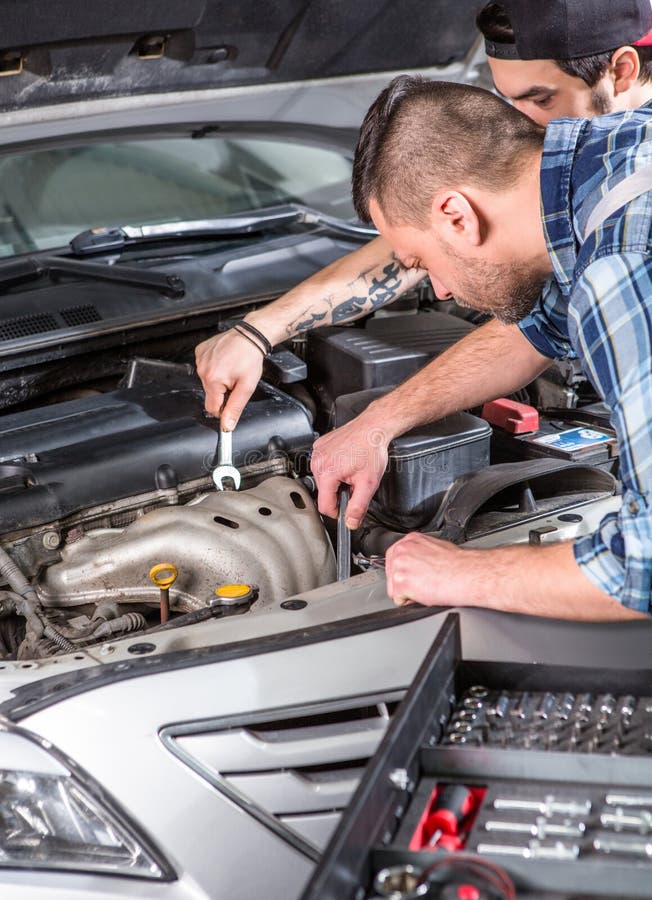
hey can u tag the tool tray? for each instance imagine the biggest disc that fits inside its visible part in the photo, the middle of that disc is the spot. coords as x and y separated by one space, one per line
569 756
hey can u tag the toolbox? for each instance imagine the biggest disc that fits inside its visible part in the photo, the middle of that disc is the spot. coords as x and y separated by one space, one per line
497 780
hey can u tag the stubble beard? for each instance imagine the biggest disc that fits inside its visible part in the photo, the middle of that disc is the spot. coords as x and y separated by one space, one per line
509 293
601 102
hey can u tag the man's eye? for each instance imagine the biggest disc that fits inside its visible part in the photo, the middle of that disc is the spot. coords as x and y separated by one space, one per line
543 101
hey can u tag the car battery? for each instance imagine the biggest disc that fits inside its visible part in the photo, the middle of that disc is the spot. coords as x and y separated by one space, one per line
520 433
387 351
422 463
497 780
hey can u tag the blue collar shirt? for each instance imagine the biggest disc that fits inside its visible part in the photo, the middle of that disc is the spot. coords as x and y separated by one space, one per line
598 308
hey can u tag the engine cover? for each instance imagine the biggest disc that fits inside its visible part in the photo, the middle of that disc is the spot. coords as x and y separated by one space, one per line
270 536
101 449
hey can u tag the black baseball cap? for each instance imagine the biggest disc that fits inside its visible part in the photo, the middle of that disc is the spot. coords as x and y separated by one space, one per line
567 29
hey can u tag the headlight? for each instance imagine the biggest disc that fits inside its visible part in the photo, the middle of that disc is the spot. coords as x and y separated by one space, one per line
52 817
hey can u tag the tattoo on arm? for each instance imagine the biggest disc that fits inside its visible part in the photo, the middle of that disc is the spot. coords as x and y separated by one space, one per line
311 320
380 291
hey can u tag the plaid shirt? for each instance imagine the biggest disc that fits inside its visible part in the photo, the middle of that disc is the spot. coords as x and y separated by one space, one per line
598 308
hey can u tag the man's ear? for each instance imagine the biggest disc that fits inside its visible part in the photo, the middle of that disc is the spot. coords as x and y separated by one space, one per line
625 67
456 218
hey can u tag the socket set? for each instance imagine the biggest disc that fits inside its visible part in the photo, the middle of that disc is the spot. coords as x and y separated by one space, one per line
499 780
545 720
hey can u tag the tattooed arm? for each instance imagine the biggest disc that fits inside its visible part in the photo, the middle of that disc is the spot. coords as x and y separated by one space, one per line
348 288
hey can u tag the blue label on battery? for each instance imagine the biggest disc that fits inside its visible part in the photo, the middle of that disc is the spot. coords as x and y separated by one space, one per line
574 439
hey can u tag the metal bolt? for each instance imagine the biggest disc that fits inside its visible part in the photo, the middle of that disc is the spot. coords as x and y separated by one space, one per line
51 540
106 649
400 779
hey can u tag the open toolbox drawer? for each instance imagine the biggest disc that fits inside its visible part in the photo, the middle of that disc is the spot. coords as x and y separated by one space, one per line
540 772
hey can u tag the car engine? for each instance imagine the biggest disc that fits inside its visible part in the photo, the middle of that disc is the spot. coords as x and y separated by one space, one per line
111 523
117 483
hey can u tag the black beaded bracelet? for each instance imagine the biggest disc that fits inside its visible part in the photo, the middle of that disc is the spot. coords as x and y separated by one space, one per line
251 340
258 334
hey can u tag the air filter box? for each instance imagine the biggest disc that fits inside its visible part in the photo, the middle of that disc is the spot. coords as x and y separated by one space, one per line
422 463
384 353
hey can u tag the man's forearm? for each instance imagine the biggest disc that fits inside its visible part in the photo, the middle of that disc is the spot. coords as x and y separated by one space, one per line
536 581
539 581
350 287
492 361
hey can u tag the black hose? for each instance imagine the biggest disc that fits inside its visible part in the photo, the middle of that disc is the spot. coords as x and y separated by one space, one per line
376 539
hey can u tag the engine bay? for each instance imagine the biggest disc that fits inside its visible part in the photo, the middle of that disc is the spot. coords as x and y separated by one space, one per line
105 479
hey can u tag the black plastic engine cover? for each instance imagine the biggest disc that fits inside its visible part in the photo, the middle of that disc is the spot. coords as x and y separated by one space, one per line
342 360
72 456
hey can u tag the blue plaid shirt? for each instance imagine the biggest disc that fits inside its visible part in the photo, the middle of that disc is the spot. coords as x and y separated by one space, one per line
598 308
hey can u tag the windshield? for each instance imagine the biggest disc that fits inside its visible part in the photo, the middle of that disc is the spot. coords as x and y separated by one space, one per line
49 196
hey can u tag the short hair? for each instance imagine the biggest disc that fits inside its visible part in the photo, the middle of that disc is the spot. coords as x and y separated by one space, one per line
420 136
494 23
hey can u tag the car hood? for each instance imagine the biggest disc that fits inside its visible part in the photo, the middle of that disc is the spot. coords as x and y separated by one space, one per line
68 50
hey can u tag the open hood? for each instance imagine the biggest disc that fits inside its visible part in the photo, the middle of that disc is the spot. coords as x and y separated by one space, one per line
71 50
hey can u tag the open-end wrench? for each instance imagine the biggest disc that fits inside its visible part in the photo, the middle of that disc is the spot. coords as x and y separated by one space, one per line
620 819
546 807
533 850
623 845
225 467
629 799
542 828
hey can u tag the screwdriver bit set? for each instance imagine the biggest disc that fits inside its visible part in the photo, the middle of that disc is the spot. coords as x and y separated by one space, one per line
564 721
499 780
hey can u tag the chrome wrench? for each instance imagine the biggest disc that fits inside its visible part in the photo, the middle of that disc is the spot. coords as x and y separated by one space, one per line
546 807
541 829
225 468
533 850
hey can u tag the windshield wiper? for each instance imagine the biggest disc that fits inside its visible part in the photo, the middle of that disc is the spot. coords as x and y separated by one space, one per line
32 268
103 240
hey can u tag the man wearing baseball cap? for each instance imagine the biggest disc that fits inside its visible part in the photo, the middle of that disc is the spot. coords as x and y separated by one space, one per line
569 59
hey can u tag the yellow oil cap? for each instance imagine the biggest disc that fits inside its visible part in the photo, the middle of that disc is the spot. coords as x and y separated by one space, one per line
233 591
235 594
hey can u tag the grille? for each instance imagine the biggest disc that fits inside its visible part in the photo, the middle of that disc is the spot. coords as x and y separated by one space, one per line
23 326
79 315
294 770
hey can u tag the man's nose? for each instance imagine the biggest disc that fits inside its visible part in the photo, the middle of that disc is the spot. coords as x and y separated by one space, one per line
441 292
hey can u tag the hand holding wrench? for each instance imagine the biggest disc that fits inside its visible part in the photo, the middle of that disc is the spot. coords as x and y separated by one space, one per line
225 467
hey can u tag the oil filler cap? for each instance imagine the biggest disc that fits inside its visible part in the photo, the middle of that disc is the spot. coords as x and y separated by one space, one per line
235 594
